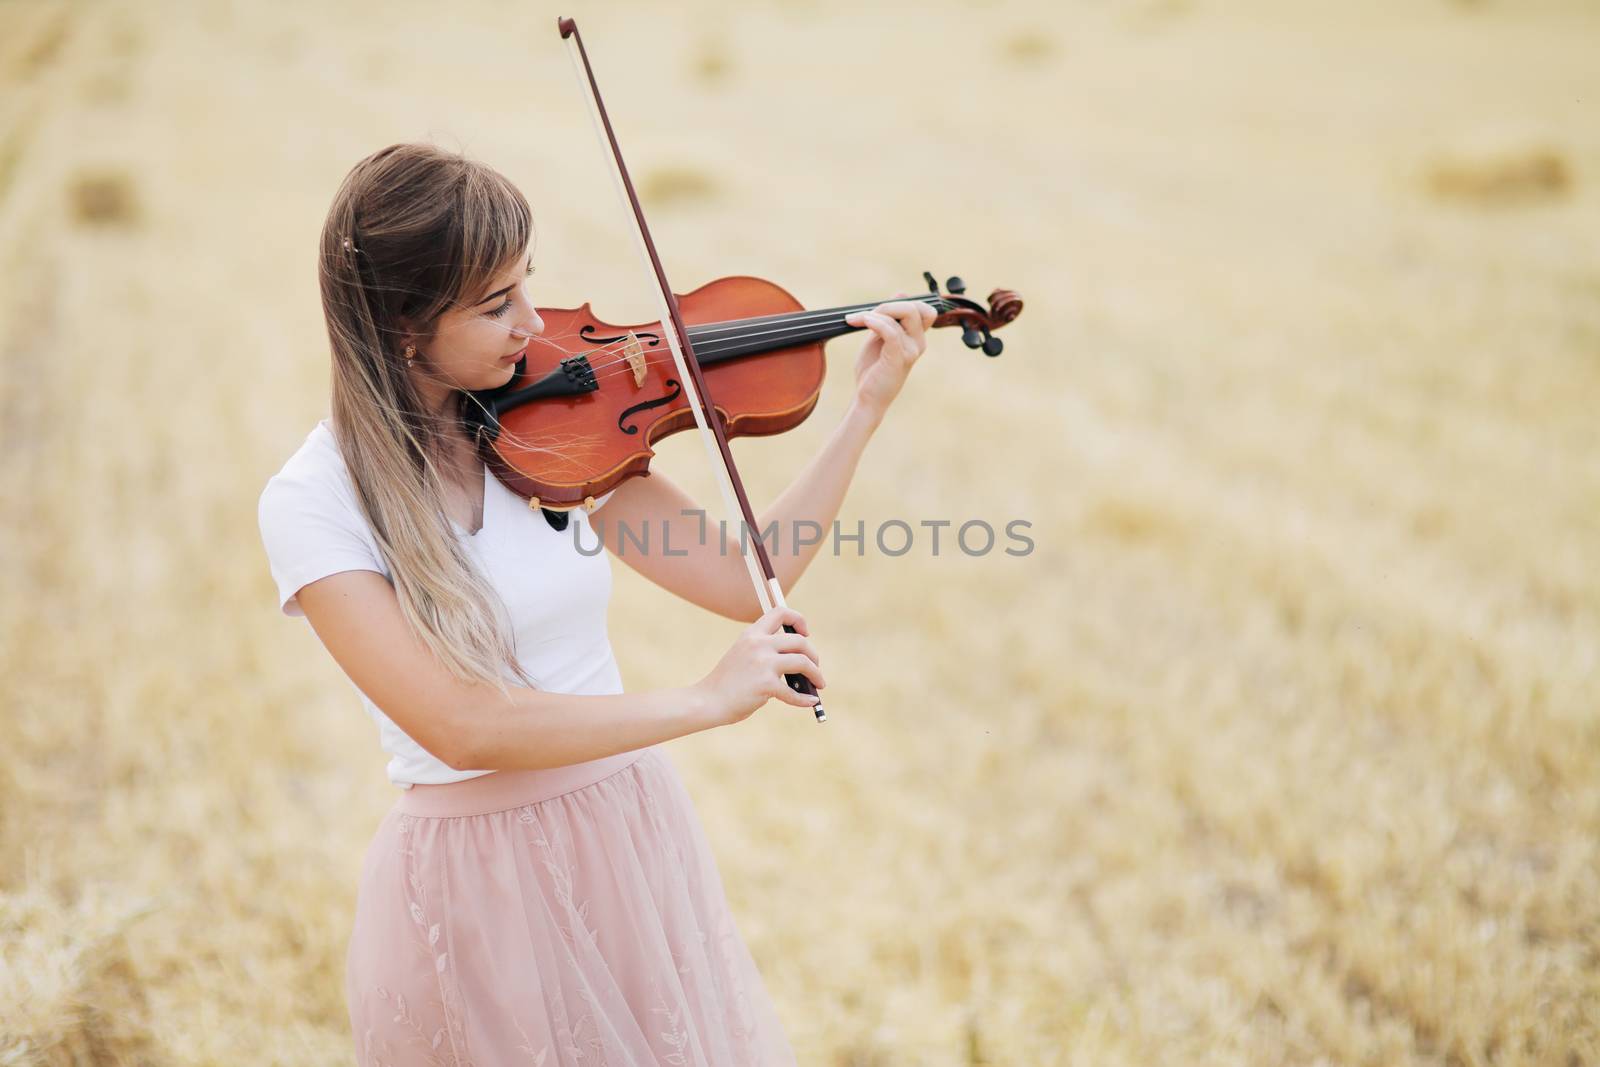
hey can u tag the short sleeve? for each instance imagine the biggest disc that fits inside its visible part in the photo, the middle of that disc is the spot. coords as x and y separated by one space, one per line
311 531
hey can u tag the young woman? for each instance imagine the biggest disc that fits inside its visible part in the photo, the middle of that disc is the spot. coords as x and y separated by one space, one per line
542 891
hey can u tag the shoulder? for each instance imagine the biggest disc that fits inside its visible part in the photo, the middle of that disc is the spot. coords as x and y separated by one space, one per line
311 524
315 477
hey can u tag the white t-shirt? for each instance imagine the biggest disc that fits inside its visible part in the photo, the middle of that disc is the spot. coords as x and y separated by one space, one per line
555 584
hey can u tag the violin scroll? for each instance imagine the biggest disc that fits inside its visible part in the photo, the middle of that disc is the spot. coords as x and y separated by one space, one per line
976 321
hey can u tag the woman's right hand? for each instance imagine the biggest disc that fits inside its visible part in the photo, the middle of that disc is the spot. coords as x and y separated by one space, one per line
751 672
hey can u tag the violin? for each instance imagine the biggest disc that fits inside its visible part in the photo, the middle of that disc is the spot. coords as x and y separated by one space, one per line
589 398
575 423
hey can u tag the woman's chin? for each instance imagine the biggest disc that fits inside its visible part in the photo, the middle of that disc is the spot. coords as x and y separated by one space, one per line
503 374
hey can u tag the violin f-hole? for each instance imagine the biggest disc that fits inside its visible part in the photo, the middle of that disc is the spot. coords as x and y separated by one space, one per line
675 390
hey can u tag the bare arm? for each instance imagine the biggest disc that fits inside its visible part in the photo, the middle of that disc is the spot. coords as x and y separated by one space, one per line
472 726
816 493
698 568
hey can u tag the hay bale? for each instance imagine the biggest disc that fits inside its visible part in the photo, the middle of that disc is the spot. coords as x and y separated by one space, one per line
670 186
711 64
1029 47
102 198
1493 174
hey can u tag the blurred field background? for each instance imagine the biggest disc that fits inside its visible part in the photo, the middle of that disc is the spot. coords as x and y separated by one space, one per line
1280 748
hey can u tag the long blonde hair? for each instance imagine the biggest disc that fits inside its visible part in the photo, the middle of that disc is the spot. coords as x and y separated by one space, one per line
412 231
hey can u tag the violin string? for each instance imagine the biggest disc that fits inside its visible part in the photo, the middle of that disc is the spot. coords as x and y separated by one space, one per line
797 323
800 316
798 327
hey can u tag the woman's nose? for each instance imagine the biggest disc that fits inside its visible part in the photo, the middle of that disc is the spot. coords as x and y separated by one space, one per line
532 328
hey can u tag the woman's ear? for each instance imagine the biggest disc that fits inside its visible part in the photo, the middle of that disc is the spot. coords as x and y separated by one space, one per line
407 334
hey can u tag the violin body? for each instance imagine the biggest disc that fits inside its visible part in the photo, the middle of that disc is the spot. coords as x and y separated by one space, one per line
590 398
558 451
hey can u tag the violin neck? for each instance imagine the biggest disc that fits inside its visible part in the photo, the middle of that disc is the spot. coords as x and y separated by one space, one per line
714 341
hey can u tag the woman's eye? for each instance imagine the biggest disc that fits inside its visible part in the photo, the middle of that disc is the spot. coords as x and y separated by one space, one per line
503 308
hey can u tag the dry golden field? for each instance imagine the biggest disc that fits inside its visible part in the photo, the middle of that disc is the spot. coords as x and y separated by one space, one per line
1282 747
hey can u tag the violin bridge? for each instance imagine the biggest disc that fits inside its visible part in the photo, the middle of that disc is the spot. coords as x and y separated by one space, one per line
633 352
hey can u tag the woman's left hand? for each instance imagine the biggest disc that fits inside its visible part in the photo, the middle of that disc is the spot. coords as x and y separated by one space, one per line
898 338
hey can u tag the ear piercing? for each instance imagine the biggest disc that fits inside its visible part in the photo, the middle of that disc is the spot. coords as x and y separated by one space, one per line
411 355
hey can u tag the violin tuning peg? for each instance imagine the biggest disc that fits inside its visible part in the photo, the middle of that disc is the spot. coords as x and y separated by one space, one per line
933 283
992 345
971 337
955 286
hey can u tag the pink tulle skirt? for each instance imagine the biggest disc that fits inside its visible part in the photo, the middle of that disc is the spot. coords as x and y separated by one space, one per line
553 917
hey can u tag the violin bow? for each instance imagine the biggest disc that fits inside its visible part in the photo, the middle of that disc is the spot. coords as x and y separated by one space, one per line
764 579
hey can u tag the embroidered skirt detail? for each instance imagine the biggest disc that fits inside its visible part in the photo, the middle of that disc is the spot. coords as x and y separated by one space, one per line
556 918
